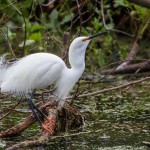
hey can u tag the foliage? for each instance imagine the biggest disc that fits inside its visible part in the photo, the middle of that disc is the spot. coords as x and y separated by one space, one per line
41 23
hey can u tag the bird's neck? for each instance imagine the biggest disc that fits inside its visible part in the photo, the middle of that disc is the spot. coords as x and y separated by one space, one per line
77 59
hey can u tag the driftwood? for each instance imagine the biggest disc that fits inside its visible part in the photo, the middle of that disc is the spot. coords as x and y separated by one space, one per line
132 68
66 118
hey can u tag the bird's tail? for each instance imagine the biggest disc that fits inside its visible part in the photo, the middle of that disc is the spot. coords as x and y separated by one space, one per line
3 67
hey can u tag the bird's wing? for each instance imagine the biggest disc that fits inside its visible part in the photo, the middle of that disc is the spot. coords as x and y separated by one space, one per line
46 75
35 71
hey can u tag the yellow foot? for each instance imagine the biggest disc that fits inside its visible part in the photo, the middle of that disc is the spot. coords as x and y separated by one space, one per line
48 129
49 125
50 122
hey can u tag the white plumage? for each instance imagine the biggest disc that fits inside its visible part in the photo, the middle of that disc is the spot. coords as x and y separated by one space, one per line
39 70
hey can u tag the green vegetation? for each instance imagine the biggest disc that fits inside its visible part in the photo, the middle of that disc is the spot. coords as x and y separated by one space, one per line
116 119
41 27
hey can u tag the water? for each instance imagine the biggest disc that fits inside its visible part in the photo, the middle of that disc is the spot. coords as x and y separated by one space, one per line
117 120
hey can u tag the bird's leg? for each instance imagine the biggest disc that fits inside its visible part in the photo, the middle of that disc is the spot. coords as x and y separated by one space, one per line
49 120
33 111
45 126
49 125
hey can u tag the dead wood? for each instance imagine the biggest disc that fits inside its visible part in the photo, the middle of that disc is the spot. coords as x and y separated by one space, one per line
43 138
26 123
66 118
131 56
114 88
132 68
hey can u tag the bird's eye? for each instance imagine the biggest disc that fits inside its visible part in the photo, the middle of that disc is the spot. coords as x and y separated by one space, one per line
84 39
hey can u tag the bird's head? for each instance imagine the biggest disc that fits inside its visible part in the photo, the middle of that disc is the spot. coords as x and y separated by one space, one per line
81 43
77 49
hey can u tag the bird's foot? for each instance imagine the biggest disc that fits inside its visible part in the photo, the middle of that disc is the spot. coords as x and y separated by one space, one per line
48 129
50 122
49 125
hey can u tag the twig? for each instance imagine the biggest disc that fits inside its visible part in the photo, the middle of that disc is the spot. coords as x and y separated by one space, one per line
25 30
105 25
80 16
15 7
83 22
76 19
31 11
8 5
102 13
4 35
122 32
113 88
48 4
11 109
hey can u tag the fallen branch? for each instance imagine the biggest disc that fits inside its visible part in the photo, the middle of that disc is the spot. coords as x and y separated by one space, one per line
114 88
68 117
140 67
131 56
43 139
26 123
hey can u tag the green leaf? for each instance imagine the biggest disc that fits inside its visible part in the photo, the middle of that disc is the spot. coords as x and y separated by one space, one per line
54 19
120 3
36 36
67 18
37 27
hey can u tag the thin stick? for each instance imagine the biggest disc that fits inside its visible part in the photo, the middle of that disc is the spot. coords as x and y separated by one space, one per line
80 16
1 118
105 25
4 35
113 88
25 32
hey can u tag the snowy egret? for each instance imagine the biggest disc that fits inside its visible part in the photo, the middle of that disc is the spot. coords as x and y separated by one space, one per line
39 70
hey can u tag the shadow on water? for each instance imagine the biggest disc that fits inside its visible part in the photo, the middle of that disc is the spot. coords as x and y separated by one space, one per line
118 120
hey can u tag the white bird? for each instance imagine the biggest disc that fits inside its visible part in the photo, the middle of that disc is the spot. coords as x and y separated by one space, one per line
39 70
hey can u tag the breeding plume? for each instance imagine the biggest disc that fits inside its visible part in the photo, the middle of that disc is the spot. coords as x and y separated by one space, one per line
39 70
